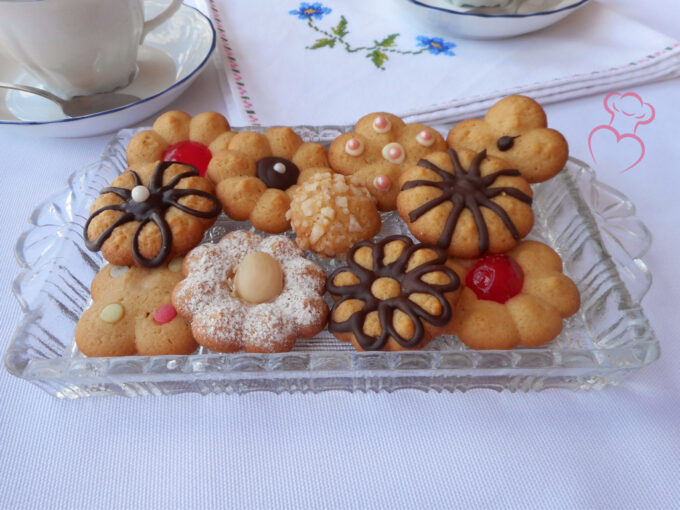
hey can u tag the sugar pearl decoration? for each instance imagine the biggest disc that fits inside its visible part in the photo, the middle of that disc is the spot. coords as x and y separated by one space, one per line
112 313
394 153
382 124
164 314
258 278
280 168
140 193
382 183
425 138
175 265
117 271
354 147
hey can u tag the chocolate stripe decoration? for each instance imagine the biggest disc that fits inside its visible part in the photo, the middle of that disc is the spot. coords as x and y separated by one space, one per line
151 210
467 189
410 282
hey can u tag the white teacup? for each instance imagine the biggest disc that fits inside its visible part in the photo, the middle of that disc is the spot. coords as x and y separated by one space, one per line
77 47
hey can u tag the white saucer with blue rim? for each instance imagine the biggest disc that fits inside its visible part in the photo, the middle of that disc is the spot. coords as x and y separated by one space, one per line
169 60
515 18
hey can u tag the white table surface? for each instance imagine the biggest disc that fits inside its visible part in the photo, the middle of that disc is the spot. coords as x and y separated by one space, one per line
616 448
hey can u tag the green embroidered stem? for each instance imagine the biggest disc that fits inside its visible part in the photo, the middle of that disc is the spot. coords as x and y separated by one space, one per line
377 53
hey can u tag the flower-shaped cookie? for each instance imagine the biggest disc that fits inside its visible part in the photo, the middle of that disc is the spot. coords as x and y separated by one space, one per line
379 149
132 314
519 298
515 130
466 203
256 174
330 212
150 214
251 293
176 136
393 295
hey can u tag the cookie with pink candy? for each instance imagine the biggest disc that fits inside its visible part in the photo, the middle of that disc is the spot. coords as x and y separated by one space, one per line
132 313
379 149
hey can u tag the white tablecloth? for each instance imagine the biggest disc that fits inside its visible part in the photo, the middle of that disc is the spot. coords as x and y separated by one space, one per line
616 448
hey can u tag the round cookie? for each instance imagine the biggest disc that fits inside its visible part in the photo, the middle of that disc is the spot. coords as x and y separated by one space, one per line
256 174
466 203
516 130
177 136
251 293
150 214
132 314
393 295
518 298
330 212
379 149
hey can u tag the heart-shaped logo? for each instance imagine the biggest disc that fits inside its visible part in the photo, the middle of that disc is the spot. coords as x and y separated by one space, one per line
616 151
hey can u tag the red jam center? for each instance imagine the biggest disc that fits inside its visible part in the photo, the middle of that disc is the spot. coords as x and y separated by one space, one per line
192 153
495 278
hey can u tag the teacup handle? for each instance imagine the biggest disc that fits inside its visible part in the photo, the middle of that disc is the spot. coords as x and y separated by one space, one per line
164 15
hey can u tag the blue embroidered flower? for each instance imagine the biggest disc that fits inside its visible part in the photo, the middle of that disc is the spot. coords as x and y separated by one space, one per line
307 11
436 45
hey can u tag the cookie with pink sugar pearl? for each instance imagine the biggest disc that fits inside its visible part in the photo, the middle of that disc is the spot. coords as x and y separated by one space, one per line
132 314
379 149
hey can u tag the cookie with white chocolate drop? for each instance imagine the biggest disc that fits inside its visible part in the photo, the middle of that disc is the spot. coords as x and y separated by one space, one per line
379 149
331 212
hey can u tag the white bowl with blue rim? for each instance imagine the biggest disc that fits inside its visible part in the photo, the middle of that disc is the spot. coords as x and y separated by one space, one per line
490 19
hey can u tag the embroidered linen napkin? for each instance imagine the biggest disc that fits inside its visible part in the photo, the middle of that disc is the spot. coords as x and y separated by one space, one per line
293 63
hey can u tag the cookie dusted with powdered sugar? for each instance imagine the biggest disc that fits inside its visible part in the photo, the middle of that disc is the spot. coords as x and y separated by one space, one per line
251 293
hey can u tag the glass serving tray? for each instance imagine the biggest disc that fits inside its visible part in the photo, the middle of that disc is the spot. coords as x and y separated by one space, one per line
592 226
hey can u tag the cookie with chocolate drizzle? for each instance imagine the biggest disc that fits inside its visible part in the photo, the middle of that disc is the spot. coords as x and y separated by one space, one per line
515 130
256 174
465 203
393 295
150 214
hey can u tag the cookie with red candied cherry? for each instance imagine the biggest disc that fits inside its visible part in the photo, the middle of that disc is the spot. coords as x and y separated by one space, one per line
133 314
379 149
177 136
517 298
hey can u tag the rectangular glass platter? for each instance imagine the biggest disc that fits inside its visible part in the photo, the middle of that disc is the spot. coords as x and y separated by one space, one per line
592 226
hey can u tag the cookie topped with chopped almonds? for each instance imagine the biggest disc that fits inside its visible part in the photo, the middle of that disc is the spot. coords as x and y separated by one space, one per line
330 212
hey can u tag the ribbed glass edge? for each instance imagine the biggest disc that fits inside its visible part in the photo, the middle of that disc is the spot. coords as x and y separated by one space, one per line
361 371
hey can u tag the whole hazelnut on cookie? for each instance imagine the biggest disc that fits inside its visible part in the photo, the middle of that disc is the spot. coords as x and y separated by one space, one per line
251 293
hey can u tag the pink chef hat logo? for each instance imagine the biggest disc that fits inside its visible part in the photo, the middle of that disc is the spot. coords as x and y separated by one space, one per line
627 113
